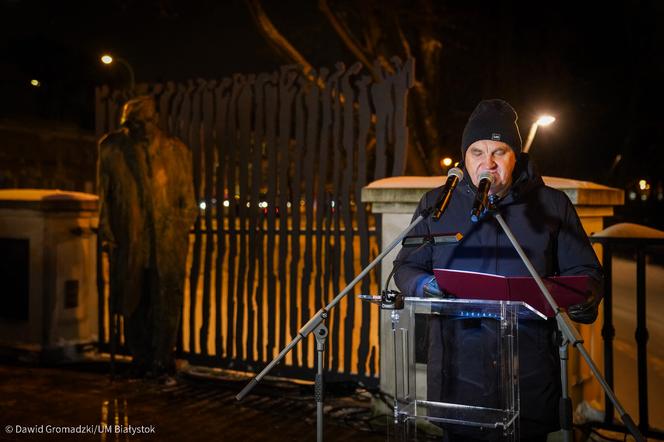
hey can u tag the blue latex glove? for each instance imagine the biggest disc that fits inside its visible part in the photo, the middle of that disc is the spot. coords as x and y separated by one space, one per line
427 287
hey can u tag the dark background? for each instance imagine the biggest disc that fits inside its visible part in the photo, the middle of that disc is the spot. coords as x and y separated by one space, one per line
596 67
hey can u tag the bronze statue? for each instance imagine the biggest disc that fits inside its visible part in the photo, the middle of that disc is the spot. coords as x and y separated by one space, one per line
147 208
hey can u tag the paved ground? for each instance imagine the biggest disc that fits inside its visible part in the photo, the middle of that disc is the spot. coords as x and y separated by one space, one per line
32 398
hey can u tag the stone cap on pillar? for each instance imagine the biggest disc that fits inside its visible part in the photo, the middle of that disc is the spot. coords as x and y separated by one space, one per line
401 194
48 200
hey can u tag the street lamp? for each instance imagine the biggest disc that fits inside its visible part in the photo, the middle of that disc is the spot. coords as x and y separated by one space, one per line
445 162
544 120
109 59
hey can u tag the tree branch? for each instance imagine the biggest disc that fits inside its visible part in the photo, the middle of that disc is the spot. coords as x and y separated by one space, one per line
348 39
275 38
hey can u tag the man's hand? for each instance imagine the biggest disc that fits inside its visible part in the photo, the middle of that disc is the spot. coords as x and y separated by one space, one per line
584 313
430 289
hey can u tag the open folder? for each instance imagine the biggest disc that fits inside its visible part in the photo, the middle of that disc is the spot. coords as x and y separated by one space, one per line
566 290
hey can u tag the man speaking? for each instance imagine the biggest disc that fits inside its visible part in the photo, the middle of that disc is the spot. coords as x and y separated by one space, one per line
460 356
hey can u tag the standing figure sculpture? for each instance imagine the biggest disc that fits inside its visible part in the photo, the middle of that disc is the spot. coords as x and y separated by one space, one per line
147 209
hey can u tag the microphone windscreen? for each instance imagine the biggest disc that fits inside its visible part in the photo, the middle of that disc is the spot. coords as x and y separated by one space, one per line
455 171
486 175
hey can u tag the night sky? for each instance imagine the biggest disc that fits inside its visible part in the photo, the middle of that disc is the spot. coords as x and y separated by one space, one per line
597 67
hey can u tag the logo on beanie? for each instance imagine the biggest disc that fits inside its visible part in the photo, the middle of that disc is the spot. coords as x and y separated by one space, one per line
495 137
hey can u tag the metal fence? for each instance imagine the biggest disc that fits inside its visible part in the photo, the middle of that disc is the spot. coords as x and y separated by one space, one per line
279 162
639 247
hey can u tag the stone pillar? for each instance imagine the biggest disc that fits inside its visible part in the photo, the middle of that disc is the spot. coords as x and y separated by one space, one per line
49 299
395 200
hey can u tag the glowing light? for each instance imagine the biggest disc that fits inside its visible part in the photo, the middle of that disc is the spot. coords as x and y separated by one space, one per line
35 83
202 205
643 184
632 195
226 203
545 120
106 59
447 162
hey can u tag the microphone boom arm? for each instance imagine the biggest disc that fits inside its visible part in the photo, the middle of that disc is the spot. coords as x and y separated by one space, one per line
568 330
316 322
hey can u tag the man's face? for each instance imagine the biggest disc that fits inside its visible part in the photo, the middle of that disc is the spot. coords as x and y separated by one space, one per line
494 157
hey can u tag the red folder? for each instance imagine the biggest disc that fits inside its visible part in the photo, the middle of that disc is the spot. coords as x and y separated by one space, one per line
566 290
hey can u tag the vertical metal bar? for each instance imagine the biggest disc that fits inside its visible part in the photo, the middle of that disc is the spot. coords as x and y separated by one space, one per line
208 155
184 125
297 301
608 330
405 360
348 168
286 94
361 215
641 338
222 99
312 131
334 250
256 236
244 307
234 308
271 147
320 195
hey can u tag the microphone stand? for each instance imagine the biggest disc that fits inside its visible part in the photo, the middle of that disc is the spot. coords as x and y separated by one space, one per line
570 335
316 323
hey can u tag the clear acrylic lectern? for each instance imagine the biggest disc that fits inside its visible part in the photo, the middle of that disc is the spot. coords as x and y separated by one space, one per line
411 328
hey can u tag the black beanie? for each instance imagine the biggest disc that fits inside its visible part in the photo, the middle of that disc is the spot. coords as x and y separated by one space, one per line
495 120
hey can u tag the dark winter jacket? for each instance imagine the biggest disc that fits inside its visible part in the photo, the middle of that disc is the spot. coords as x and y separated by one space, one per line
546 225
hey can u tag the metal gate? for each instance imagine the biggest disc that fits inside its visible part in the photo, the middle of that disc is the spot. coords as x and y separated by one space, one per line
279 162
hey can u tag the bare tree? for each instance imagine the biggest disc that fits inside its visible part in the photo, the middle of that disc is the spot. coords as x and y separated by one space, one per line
373 31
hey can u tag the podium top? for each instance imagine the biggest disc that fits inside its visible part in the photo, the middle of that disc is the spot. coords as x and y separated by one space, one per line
464 308
472 308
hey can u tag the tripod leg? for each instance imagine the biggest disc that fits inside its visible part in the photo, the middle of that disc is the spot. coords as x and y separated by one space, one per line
321 336
565 405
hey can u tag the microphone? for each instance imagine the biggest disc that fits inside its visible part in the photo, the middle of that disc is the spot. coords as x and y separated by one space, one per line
486 179
453 177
